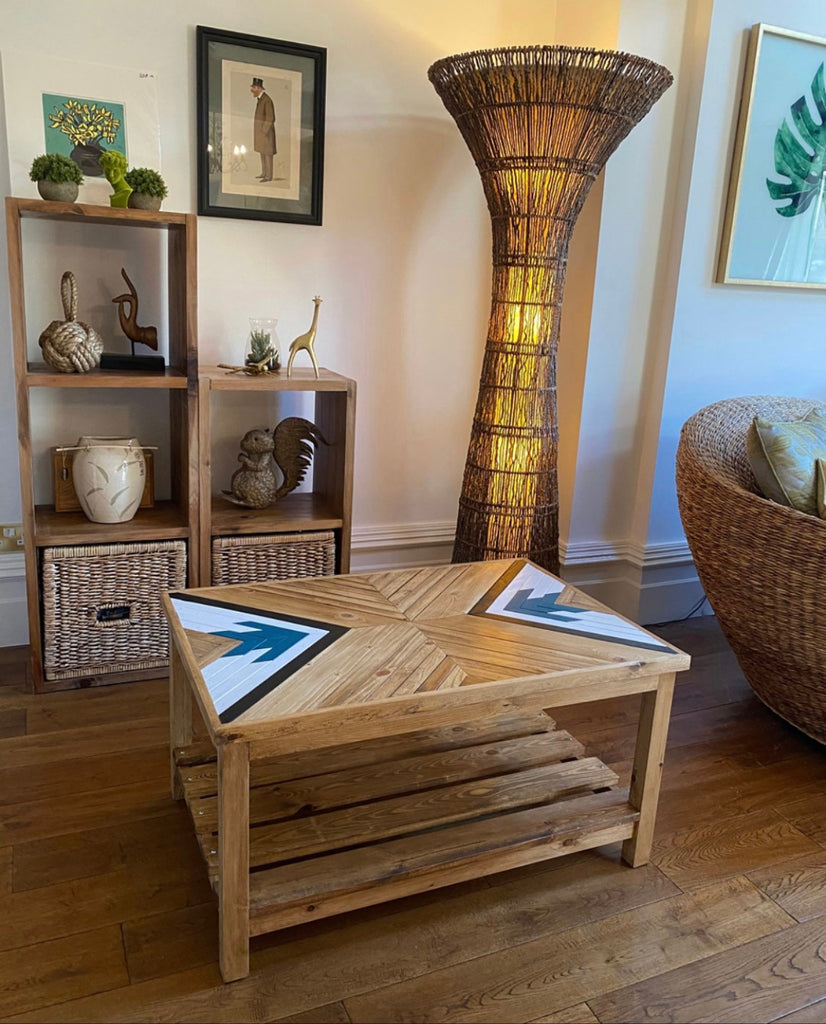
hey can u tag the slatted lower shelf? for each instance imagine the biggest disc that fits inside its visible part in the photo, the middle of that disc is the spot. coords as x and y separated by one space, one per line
360 824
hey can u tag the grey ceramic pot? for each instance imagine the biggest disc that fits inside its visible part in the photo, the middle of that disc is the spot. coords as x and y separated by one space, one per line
58 191
141 201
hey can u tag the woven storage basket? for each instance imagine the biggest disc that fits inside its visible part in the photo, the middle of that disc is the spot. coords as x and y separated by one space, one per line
761 564
272 557
102 606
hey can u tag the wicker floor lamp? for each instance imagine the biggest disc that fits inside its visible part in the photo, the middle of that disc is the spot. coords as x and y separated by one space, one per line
540 123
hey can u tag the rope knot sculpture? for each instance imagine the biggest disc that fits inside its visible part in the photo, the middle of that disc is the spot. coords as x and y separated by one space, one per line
69 345
540 123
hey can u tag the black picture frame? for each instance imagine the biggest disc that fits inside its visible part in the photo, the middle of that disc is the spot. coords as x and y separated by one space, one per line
230 161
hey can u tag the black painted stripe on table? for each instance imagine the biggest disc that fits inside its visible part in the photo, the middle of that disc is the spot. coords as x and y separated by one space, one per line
269 684
602 637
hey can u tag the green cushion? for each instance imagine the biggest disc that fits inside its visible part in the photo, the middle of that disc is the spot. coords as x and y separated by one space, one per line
821 488
783 457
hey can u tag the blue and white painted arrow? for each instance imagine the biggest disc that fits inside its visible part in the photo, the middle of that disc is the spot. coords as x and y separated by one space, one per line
270 649
532 597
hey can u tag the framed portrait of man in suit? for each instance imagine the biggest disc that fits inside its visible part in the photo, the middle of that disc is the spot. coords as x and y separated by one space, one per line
260 127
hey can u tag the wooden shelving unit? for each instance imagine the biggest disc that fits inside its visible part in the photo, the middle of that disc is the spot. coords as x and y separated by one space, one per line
176 518
191 513
328 506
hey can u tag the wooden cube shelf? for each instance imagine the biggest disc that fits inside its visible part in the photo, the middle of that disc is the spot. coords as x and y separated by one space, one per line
328 506
191 513
174 519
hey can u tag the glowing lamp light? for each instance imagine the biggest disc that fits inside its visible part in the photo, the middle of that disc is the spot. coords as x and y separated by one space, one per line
540 123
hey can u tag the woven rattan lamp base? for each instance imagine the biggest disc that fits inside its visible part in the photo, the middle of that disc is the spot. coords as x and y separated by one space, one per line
540 123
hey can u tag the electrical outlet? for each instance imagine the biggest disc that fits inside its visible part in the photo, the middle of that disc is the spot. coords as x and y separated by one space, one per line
11 538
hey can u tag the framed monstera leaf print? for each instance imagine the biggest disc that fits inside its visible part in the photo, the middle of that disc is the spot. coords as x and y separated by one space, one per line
774 230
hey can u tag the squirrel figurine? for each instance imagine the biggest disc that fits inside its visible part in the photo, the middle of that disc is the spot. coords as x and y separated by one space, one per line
253 484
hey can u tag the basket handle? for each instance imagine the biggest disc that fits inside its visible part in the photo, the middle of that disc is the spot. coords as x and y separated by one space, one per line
68 293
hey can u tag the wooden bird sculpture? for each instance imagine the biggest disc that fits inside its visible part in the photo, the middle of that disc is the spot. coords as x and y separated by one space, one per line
292 444
129 321
295 443
305 341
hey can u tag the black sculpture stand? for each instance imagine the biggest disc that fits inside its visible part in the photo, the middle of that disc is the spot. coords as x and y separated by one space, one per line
118 361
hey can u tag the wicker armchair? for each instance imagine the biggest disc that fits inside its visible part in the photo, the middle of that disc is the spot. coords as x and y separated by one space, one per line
762 565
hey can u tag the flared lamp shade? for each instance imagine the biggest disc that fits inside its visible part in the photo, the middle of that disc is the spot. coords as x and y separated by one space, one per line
540 123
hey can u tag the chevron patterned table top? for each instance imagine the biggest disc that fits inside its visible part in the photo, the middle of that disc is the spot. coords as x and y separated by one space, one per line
409 641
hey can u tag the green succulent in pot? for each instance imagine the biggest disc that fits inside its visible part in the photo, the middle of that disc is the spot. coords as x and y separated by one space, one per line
148 188
57 177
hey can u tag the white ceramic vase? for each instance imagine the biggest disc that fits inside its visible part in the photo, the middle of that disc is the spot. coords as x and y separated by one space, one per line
109 474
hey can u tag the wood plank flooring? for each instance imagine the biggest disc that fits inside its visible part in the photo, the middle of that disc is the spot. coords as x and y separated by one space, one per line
106 913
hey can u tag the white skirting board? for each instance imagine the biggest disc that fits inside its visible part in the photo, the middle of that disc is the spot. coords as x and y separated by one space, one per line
649 585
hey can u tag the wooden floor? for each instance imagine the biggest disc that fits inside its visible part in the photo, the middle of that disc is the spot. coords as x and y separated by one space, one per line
106 913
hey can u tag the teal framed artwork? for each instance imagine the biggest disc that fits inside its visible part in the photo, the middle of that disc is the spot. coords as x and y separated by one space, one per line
55 105
774 227
83 129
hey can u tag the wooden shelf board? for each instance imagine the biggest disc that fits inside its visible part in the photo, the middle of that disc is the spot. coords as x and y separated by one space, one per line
295 512
42 376
166 521
460 809
302 379
95 214
282 897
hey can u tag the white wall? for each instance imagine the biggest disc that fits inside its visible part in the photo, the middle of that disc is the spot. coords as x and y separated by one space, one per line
403 257
402 260
629 330
730 340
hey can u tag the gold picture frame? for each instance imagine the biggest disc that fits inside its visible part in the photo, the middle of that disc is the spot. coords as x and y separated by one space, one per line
774 225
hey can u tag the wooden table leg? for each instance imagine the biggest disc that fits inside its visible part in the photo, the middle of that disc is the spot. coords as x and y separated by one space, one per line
648 768
234 859
180 715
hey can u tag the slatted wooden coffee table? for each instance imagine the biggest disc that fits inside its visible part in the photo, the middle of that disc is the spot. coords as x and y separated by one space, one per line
374 736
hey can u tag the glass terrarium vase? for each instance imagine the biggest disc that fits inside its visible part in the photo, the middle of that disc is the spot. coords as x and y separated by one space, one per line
263 346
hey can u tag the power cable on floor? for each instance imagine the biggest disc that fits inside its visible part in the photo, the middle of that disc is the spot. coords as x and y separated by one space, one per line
688 615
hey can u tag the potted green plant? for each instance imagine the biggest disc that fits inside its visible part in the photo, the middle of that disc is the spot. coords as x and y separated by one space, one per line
148 188
57 177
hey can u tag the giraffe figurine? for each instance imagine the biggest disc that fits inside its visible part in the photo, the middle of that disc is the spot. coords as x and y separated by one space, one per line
305 341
